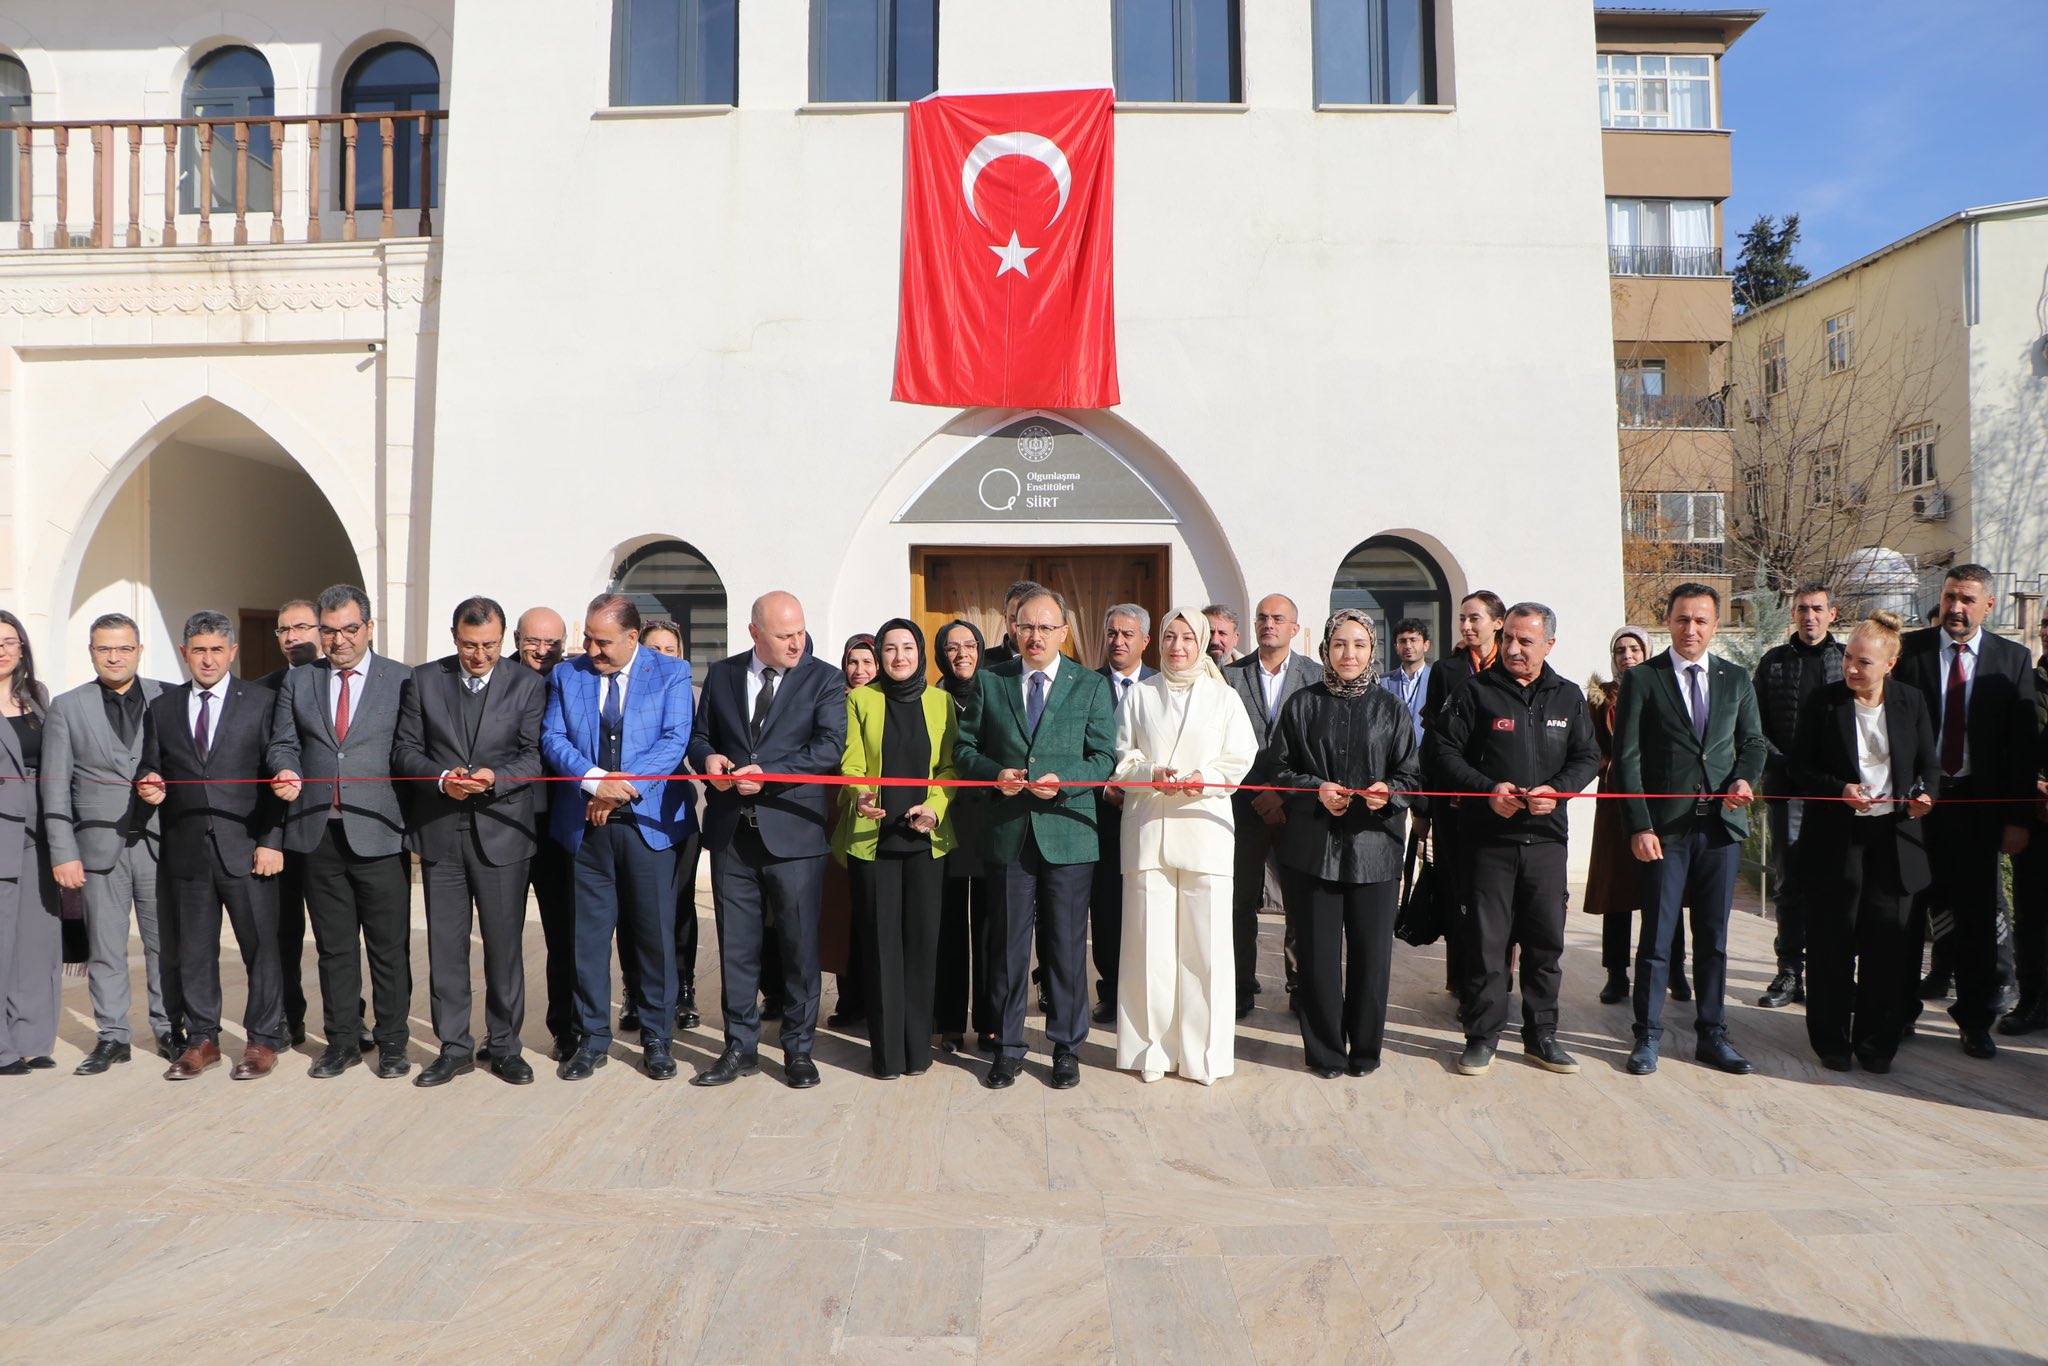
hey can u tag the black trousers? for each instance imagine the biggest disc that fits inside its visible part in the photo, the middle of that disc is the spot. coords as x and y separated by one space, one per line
550 875
2030 917
1962 849
686 931
1518 893
1788 892
962 995
1697 870
896 912
1106 902
1856 946
460 891
1252 855
1344 932
1449 853
291 938
757 897
360 906
1047 904
195 901
624 888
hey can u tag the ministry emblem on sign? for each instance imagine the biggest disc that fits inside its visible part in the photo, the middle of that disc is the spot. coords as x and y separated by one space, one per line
1035 444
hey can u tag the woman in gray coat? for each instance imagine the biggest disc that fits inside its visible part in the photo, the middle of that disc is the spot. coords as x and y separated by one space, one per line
31 935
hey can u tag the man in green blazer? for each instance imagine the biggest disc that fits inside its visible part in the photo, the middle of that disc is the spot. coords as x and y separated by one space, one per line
1687 723
1030 723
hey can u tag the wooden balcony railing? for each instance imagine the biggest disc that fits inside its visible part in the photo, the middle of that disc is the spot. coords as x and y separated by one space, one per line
164 182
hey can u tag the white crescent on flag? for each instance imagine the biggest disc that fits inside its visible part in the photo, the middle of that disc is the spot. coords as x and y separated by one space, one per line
997 145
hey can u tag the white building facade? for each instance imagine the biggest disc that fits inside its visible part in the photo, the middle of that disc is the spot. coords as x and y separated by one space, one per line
1362 301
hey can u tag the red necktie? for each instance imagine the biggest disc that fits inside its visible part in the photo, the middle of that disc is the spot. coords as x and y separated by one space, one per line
341 729
1954 715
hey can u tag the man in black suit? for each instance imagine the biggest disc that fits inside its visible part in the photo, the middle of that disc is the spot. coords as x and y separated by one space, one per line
1980 689
473 730
220 844
1263 680
1012 597
330 740
1687 731
550 873
298 636
1126 631
774 709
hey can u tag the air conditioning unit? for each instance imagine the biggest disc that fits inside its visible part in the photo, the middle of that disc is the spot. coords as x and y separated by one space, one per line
70 238
1756 409
1931 506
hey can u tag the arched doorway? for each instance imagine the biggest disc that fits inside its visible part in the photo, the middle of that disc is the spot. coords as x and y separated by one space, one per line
670 579
217 516
1392 577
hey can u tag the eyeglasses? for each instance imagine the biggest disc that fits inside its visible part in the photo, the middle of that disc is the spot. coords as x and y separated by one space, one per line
349 632
115 651
11 645
1025 628
295 628
537 643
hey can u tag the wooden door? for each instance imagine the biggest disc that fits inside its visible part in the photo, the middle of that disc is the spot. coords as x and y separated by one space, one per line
954 583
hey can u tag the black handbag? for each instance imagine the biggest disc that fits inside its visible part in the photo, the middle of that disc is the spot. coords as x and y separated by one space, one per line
1420 919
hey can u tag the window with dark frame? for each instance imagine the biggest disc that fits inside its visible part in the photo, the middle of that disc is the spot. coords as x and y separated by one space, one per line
227 83
14 108
1177 51
675 52
388 79
1375 52
873 50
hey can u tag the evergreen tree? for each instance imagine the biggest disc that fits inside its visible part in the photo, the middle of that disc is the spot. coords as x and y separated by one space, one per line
1765 270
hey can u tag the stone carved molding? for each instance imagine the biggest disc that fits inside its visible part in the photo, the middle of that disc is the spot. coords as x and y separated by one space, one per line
163 296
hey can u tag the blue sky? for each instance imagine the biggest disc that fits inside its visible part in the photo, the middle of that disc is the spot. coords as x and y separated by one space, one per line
1873 118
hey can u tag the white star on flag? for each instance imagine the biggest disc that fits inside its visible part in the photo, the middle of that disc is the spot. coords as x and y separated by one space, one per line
1013 257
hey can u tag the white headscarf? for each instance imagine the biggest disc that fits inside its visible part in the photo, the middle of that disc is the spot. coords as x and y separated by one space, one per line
1180 680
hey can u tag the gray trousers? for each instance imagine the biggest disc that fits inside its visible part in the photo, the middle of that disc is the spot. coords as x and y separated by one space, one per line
31 959
131 882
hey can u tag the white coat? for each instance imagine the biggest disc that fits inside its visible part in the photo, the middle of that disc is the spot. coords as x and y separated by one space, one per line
1171 830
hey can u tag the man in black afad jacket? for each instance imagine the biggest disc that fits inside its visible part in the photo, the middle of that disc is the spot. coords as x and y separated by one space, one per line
1521 732
1786 676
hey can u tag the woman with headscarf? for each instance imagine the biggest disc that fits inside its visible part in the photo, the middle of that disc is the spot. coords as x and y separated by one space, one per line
1348 746
1613 877
1179 734
894 839
31 928
965 924
839 935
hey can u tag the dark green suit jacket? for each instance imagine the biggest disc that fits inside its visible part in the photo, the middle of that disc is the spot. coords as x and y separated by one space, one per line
1076 740
1656 750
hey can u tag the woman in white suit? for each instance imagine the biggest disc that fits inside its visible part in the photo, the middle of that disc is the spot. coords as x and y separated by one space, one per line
1177 986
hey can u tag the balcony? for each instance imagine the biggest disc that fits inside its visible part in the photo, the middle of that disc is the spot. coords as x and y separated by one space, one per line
216 181
1684 412
1695 262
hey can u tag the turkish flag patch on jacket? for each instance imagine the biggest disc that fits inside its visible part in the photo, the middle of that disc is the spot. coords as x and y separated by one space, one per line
1008 296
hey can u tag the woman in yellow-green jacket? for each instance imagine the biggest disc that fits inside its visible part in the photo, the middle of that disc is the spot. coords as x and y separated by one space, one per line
893 841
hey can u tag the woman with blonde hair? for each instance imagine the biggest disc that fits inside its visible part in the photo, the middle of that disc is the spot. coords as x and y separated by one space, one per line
1184 731
1865 747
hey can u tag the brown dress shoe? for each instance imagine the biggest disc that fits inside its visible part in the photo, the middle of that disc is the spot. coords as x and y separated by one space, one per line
194 1060
256 1062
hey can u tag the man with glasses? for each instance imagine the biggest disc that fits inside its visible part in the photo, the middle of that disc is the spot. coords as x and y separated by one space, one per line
103 840
537 643
330 748
298 637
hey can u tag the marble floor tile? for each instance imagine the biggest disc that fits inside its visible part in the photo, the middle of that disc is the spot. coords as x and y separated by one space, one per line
1175 1309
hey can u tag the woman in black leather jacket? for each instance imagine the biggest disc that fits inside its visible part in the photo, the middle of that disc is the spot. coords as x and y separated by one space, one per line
1349 745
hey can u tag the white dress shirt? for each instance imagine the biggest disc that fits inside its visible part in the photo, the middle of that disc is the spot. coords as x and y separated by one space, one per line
1874 755
1971 649
1271 681
361 674
593 776
1120 685
1051 672
219 693
1706 675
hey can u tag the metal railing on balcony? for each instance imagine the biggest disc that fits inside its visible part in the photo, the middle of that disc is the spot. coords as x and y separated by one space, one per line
1703 411
165 182
1699 261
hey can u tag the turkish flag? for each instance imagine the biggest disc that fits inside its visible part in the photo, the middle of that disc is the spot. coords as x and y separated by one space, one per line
1008 299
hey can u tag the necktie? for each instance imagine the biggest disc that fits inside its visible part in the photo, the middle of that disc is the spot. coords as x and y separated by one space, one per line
475 685
202 730
1123 690
1034 701
612 715
341 708
1699 703
1954 714
762 701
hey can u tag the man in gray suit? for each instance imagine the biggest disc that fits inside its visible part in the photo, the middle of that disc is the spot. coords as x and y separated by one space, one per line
1264 680
102 837
330 747
1126 632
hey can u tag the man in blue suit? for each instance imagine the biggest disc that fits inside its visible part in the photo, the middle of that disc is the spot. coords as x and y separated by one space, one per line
616 710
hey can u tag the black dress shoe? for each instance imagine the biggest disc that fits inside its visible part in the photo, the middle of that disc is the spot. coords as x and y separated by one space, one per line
1044 1001
41 1063
660 1063
297 1030
338 1058
986 1043
1361 1067
1328 1073
1105 1013
799 1072
2008 999
1244 1006
1873 1062
581 1064
391 1061
366 1044
104 1054
17 1068
1719 1053
1978 1043
443 1069
564 1049
1787 988
1066 1071
1681 988
1835 1062
1002 1072
686 1009
1616 989
514 1069
2027 1017
732 1064
167 1047
629 1021
1642 1059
